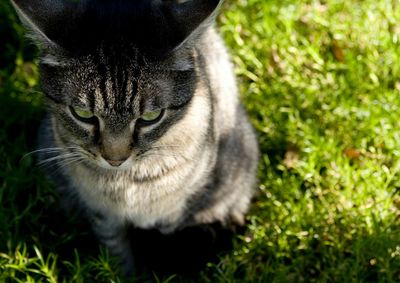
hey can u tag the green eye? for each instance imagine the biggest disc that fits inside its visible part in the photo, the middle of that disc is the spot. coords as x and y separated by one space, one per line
152 117
82 114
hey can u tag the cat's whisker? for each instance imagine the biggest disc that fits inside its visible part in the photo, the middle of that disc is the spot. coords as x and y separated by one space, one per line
64 155
58 157
62 165
165 146
168 153
42 150
150 154
67 162
70 155
63 161
50 150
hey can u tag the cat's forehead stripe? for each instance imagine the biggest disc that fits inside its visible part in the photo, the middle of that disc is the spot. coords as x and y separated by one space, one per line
97 103
118 76
109 84
101 84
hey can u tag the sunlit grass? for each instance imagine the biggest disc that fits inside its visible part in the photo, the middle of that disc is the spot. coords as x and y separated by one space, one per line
321 82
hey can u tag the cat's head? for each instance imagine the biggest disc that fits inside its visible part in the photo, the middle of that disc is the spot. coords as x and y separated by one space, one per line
118 74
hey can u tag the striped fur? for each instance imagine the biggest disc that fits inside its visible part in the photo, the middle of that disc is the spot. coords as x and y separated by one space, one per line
195 166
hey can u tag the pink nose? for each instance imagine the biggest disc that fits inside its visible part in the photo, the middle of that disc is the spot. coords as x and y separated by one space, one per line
115 163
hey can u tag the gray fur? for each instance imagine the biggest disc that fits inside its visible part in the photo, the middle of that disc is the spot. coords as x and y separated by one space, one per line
195 166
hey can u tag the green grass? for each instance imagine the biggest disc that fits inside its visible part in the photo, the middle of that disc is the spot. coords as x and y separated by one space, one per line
321 81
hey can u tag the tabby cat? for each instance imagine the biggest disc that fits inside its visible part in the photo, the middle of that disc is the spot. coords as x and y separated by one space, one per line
144 124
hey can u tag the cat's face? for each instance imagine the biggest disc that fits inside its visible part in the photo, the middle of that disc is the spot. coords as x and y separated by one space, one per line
113 106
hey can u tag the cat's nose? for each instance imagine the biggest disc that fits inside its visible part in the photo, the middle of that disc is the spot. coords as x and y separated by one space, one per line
116 163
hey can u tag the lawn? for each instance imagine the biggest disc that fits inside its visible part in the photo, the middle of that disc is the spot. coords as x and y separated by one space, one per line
321 82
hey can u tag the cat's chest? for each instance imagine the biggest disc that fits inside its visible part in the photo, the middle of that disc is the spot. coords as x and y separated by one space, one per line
145 203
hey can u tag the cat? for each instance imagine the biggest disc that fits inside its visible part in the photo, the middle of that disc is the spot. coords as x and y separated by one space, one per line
144 123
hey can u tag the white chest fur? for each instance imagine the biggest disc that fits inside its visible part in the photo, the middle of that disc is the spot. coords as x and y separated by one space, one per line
157 200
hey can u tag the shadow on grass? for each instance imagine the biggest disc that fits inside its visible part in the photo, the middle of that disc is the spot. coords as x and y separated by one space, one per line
184 253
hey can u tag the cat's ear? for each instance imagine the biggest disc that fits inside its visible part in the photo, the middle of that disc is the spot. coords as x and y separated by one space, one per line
159 25
36 16
42 18
183 17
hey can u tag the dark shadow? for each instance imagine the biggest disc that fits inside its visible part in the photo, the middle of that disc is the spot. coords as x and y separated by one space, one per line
184 253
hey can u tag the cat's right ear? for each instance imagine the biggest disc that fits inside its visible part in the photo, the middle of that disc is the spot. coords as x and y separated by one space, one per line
37 16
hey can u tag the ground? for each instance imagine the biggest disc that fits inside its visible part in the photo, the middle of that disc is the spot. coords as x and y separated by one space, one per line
321 83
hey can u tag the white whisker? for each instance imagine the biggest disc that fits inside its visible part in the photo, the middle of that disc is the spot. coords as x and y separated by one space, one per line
150 154
59 157
42 150
71 161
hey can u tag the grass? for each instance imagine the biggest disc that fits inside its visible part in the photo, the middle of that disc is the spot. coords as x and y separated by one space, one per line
321 81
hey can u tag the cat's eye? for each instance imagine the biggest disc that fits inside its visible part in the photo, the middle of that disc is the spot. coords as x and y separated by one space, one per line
83 115
151 117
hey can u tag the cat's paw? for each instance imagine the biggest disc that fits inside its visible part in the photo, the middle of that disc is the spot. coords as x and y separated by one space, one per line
236 219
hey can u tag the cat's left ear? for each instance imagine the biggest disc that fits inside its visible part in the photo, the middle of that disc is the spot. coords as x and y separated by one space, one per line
184 17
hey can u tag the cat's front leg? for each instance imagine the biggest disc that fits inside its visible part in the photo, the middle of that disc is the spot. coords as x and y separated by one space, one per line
113 234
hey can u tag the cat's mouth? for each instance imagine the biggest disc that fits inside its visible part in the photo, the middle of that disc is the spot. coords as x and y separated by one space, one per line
109 164
94 160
